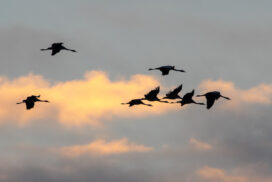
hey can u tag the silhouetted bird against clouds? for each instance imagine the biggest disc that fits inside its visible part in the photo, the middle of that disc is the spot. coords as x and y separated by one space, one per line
30 101
165 69
136 102
174 93
153 95
211 97
56 48
188 99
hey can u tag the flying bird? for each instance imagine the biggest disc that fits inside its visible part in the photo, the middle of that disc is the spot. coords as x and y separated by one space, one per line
165 69
56 48
188 99
153 95
174 94
30 101
211 97
136 102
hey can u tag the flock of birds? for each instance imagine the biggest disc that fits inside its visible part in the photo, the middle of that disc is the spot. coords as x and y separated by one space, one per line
150 96
174 94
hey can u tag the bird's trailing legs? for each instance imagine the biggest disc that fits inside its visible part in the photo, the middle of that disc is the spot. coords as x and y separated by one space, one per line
72 50
199 103
147 104
136 104
224 97
164 101
178 70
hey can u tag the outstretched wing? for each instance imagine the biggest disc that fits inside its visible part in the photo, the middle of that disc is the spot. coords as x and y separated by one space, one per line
210 101
177 90
174 92
153 93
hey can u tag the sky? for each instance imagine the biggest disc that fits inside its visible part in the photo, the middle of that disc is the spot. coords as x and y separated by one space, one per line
85 134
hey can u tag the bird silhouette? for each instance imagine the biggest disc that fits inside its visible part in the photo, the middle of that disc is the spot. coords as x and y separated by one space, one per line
56 48
174 93
153 95
211 97
30 101
165 69
188 99
136 102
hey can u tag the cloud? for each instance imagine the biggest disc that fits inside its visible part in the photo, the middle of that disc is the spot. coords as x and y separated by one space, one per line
200 145
102 147
214 175
260 94
96 98
87 101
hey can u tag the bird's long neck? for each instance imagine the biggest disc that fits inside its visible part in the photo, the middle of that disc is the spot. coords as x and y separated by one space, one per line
49 48
20 102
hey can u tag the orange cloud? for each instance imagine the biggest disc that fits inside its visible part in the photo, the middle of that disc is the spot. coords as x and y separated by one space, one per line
215 175
77 102
200 145
260 94
101 147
